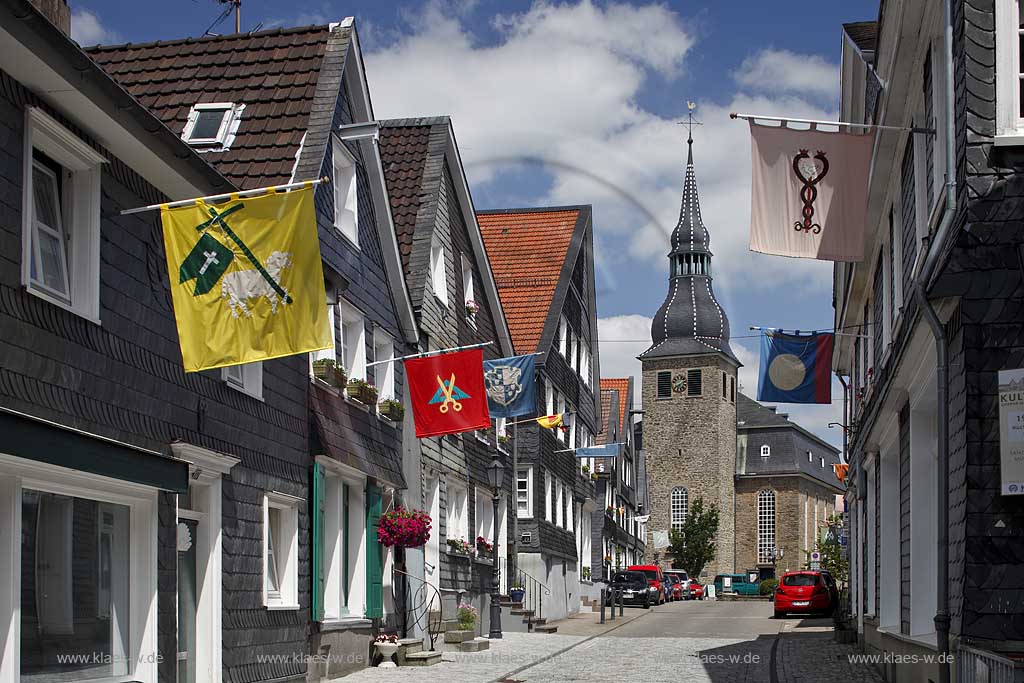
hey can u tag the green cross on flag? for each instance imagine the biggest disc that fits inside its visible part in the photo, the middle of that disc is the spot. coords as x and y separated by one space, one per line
206 263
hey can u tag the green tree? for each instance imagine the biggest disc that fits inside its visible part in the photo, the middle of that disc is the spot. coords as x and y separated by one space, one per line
832 559
692 546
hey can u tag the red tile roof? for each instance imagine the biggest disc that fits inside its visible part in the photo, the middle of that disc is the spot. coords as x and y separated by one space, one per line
621 386
273 73
606 411
527 249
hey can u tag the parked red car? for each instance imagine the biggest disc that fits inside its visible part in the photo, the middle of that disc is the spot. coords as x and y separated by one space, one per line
655 579
676 585
696 591
803 592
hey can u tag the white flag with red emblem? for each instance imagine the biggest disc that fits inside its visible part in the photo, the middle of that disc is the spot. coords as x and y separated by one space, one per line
809 192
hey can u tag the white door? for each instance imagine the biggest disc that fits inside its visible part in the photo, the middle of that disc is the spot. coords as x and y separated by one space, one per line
432 551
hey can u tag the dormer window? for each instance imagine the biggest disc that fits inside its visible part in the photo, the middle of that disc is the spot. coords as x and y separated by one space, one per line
766 451
213 124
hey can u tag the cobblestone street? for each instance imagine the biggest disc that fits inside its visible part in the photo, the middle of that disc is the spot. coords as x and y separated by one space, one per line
713 642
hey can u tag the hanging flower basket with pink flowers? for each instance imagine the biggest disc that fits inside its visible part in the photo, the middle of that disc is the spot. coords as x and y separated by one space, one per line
404 528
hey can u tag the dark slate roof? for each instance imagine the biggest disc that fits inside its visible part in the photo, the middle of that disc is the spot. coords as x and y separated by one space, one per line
610 402
690 321
404 150
273 73
864 34
354 437
789 442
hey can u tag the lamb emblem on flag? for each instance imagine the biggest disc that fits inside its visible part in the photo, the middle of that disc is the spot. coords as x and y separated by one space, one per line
241 285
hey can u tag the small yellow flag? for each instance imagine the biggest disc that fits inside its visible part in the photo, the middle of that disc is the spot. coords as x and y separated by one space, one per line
550 421
246 279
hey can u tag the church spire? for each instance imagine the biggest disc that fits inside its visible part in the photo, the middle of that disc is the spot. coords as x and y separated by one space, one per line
690 321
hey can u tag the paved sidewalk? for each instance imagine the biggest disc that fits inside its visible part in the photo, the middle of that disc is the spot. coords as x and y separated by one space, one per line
807 652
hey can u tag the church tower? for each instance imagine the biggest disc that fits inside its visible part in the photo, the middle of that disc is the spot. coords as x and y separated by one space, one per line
689 392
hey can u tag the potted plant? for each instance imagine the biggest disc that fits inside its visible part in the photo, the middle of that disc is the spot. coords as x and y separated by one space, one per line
387 646
586 573
467 616
586 470
404 528
362 391
593 476
459 546
327 370
516 592
472 308
610 511
391 409
483 547
504 440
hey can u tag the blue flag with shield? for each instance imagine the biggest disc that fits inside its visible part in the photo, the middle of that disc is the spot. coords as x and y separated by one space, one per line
511 386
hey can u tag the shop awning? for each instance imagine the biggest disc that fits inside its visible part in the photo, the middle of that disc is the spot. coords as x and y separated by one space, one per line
33 438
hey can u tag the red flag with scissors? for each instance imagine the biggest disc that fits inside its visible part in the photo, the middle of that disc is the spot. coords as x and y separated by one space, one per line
448 394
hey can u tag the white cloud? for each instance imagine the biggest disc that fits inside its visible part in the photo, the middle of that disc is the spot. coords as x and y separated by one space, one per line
773 70
561 86
87 29
621 339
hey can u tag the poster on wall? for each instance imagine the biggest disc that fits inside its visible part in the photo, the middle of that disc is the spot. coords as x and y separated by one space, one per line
1011 431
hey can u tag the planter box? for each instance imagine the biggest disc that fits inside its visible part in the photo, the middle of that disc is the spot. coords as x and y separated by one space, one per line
330 375
362 393
393 413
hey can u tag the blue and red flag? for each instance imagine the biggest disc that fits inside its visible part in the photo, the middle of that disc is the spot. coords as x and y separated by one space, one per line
448 394
795 368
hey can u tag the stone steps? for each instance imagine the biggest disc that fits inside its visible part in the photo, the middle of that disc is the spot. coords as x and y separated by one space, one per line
458 636
544 628
422 658
475 645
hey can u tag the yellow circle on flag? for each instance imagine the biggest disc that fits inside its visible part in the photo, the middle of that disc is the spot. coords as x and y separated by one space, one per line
787 371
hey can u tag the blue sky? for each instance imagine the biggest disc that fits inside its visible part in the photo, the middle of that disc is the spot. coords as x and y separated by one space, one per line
576 102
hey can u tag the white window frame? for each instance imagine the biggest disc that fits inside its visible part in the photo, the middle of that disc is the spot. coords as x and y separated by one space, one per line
766 525
286 550
680 506
525 475
17 474
332 352
569 503
346 195
559 503
457 505
547 496
344 595
247 378
549 397
561 411
80 212
484 515
766 451
230 120
439 273
384 373
353 360
1009 123
563 335
469 296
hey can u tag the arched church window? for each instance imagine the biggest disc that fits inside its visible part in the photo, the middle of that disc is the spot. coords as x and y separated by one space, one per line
680 506
765 526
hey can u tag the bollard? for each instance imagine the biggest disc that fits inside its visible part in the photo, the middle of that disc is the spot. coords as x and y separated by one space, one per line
612 601
621 613
603 598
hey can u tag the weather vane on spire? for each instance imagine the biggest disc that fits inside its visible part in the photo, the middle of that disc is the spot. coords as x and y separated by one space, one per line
690 122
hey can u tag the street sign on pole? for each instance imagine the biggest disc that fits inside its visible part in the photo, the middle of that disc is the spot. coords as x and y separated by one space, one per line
815 560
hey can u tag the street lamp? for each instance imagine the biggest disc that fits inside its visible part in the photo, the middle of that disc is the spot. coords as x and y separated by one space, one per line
496 479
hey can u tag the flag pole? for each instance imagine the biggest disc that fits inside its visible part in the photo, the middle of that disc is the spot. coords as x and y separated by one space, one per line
798 332
572 450
219 197
842 124
429 353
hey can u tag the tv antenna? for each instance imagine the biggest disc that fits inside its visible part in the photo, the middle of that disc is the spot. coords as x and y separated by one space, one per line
230 5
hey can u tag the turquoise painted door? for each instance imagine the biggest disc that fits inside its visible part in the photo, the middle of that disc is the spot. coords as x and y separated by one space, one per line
319 523
374 560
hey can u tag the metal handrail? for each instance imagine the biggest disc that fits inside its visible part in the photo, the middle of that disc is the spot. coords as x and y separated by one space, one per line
534 592
420 610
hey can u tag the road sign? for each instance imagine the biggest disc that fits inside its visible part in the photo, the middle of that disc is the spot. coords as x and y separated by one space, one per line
815 560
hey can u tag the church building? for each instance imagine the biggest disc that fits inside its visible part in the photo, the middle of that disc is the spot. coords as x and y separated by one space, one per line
696 445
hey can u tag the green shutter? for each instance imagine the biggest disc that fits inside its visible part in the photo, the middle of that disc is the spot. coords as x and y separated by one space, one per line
374 563
319 484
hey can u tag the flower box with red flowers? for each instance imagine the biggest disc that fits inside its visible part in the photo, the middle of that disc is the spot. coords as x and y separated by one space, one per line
404 528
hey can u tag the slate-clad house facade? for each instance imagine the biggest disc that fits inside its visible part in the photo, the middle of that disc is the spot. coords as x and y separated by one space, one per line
935 279
456 304
543 264
293 105
617 537
125 484
786 489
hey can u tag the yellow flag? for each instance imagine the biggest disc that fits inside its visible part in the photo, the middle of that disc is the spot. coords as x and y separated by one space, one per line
550 421
246 279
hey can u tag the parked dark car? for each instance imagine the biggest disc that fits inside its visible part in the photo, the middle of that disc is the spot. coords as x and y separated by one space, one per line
655 579
634 587
803 592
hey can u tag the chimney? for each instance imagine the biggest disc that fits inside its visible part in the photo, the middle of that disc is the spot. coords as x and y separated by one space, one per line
57 12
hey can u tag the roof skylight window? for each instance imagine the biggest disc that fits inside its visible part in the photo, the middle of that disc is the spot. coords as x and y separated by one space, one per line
212 124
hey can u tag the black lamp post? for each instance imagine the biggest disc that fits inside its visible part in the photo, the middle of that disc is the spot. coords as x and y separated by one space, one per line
496 479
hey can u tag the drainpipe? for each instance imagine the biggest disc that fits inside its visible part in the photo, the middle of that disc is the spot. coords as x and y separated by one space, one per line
942 620
846 418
